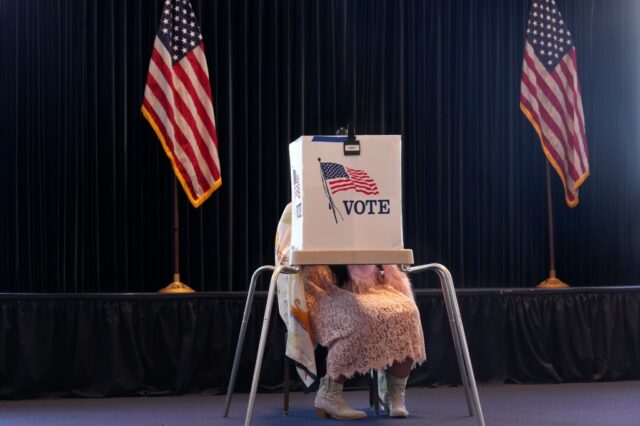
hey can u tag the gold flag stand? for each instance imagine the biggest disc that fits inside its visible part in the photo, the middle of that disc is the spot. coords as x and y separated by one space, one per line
176 285
552 281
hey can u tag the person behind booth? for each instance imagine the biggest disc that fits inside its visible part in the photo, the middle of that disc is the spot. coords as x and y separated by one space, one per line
365 316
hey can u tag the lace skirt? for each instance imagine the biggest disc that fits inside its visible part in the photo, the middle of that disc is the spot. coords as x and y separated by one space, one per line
362 331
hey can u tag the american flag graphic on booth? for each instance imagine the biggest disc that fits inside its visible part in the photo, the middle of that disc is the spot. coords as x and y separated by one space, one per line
178 102
550 95
341 178
297 192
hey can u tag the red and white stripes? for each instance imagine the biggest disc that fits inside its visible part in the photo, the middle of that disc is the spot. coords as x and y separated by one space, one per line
178 105
552 103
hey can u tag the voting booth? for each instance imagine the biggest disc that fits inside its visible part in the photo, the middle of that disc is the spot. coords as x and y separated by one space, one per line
346 208
346 196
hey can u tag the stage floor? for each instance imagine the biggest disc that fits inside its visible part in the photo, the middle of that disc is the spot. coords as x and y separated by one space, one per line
603 403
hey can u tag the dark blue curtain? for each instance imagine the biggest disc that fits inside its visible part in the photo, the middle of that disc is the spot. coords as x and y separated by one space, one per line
86 188
97 345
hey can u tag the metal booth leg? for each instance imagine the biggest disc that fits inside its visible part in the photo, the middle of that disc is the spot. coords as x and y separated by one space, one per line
449 300
459 338
243 331
263 338
287 382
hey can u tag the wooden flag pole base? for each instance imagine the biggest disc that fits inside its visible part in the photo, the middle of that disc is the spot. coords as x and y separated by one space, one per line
552 282
177 287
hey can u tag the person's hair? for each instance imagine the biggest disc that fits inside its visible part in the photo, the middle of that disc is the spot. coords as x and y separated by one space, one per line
340 274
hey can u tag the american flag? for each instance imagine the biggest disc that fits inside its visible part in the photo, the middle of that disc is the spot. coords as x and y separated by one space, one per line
296 185
550 95
178 103
340 178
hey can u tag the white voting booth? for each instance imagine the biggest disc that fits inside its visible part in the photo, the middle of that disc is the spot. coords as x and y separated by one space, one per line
346 195
347 209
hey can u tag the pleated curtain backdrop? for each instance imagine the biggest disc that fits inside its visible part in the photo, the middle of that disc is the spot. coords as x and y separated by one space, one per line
86 187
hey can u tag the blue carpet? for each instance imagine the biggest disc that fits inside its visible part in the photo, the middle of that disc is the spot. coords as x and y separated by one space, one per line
608 403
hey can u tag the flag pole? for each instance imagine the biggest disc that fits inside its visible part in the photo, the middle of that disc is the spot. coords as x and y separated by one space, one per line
552 281
176 286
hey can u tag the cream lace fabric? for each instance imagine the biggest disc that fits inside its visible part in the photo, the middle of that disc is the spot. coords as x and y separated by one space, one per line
367 324
366 328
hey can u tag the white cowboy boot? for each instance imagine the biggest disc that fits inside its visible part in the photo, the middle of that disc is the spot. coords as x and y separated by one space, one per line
330 402
393 400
